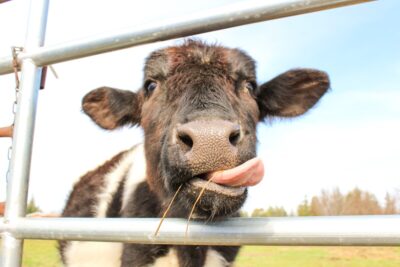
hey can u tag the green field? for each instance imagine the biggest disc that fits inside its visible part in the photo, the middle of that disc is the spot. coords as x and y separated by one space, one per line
39 253
319 257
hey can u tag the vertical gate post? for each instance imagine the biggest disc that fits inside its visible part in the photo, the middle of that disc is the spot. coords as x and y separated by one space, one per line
17 187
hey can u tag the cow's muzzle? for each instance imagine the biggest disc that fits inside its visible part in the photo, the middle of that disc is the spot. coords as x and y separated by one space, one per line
208 146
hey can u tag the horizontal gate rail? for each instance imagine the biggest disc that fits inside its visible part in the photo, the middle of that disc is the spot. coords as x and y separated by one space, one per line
324 231
210 20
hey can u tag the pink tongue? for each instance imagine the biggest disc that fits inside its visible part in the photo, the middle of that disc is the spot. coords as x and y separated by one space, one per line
249 173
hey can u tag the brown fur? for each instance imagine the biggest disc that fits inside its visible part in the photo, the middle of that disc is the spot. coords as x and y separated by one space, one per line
199 82
193 100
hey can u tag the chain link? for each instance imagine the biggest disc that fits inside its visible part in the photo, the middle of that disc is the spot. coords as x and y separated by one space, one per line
15 50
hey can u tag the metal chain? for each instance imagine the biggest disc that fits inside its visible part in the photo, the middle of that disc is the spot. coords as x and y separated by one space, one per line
15 50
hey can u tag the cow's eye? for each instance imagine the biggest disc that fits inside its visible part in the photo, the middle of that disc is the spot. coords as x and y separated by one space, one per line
251 86
150 86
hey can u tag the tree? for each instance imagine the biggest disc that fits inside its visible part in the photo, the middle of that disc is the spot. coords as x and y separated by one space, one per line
276 212
359 202
390 205
355 202
258 212
32 207
304 209
316 206
270 212
243 213
328 203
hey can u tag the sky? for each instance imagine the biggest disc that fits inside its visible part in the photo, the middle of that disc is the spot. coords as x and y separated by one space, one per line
350 139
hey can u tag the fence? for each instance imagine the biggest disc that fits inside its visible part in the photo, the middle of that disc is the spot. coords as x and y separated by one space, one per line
351 230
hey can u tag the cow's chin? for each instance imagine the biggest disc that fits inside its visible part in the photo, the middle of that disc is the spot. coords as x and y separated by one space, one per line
216 200
200 183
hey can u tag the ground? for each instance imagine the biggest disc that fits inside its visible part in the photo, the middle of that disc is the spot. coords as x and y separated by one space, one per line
42 253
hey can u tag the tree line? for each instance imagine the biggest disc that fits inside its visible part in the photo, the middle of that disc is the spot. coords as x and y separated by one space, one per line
327 203
333 203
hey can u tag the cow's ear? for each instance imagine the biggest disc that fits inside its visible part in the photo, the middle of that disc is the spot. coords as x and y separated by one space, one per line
111 108
291 93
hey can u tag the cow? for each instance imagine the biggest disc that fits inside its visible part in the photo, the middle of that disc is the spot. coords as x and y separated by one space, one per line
198 107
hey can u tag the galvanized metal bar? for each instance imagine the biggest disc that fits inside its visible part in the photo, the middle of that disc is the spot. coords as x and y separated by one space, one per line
23 134
330 231
229 16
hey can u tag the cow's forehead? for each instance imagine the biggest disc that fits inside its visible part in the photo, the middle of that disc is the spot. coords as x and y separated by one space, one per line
164 62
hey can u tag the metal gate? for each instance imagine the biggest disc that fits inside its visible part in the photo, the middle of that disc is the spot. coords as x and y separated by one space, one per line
349 230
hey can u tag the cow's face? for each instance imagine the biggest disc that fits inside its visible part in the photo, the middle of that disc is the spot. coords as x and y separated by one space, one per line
199 107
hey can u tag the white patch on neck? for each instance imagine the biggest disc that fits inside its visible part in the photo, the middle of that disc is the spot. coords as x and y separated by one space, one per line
213 259
169 260
108 254
136 174
93 254
112 180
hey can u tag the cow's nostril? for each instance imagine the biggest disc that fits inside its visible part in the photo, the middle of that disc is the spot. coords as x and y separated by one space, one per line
234 137
186 140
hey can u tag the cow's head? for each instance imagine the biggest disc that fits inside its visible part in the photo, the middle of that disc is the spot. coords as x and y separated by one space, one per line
199 106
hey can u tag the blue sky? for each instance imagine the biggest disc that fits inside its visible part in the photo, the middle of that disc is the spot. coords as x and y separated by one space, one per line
351 138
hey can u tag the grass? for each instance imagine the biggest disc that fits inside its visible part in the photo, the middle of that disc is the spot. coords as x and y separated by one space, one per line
319 257
42 253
